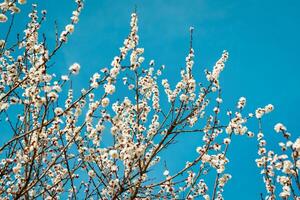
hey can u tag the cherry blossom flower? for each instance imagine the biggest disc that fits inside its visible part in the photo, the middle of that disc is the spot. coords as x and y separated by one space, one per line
3 18
74 68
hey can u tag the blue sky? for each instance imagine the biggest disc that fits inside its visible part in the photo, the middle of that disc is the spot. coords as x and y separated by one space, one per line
262 38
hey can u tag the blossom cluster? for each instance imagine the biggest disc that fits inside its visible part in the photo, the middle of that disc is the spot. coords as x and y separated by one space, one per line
280 169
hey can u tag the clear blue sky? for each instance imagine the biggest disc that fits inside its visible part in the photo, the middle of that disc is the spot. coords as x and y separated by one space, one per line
262 38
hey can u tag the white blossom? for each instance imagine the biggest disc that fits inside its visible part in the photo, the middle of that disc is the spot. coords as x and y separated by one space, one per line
3 18
166 173
58 111
109 88
70 28
74 68
105 102
113 153
279 127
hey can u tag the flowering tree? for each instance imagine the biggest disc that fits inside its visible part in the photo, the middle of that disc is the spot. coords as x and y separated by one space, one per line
55 144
